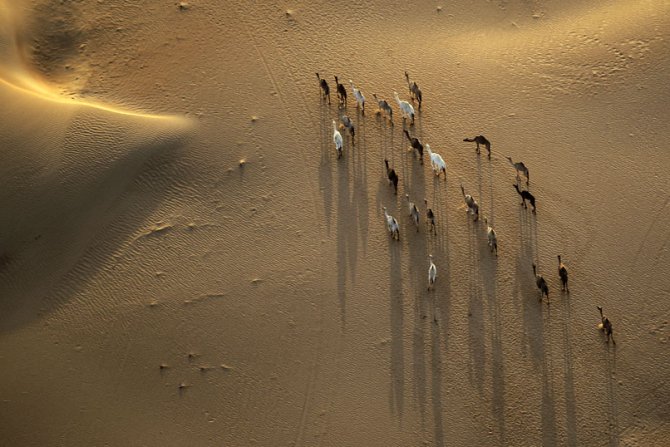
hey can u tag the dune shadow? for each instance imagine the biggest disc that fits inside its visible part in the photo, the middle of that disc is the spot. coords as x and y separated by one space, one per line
73 254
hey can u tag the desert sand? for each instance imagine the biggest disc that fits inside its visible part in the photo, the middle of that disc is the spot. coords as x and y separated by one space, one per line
184 261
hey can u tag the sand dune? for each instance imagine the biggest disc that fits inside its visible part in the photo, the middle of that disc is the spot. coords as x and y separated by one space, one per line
66 162
270 291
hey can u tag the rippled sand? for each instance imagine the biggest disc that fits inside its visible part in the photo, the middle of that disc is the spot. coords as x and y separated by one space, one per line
154 290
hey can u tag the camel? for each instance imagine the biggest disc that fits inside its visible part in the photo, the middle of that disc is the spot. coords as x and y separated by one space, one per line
525 195
324 87
491 237
406 108
606 326
414 90
384 107
520 168
341 92
392 225
473 206
413 212
437 162
541 284
563 274
432 272
391 174
416 144
480 139
337 139
430 217
360 99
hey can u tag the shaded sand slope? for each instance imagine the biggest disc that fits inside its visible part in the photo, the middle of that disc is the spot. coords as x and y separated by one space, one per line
65 163
304 323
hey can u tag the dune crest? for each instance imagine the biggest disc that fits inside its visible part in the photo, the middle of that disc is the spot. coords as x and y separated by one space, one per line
18 69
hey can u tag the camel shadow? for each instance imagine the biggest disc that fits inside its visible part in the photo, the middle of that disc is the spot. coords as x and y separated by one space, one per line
612 401
347 234
476 329
569 381
436 388
396 298
325 165
359 198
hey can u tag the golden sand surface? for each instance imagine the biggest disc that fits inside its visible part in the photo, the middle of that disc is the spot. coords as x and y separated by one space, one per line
185 261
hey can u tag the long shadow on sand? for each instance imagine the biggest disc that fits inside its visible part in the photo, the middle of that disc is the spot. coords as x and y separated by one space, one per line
476 329
569 380
536 332
325 165
613 408
436 394
396 298
347 232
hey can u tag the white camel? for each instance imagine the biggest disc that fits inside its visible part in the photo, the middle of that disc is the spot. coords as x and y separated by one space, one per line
413 212
491 236
406 108
432 272
392 225
437 162
337 139
360 99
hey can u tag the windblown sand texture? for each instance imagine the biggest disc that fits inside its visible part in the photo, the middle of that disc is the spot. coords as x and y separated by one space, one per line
156 291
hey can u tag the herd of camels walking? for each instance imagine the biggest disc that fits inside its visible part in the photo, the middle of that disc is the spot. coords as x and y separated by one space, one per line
439 166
